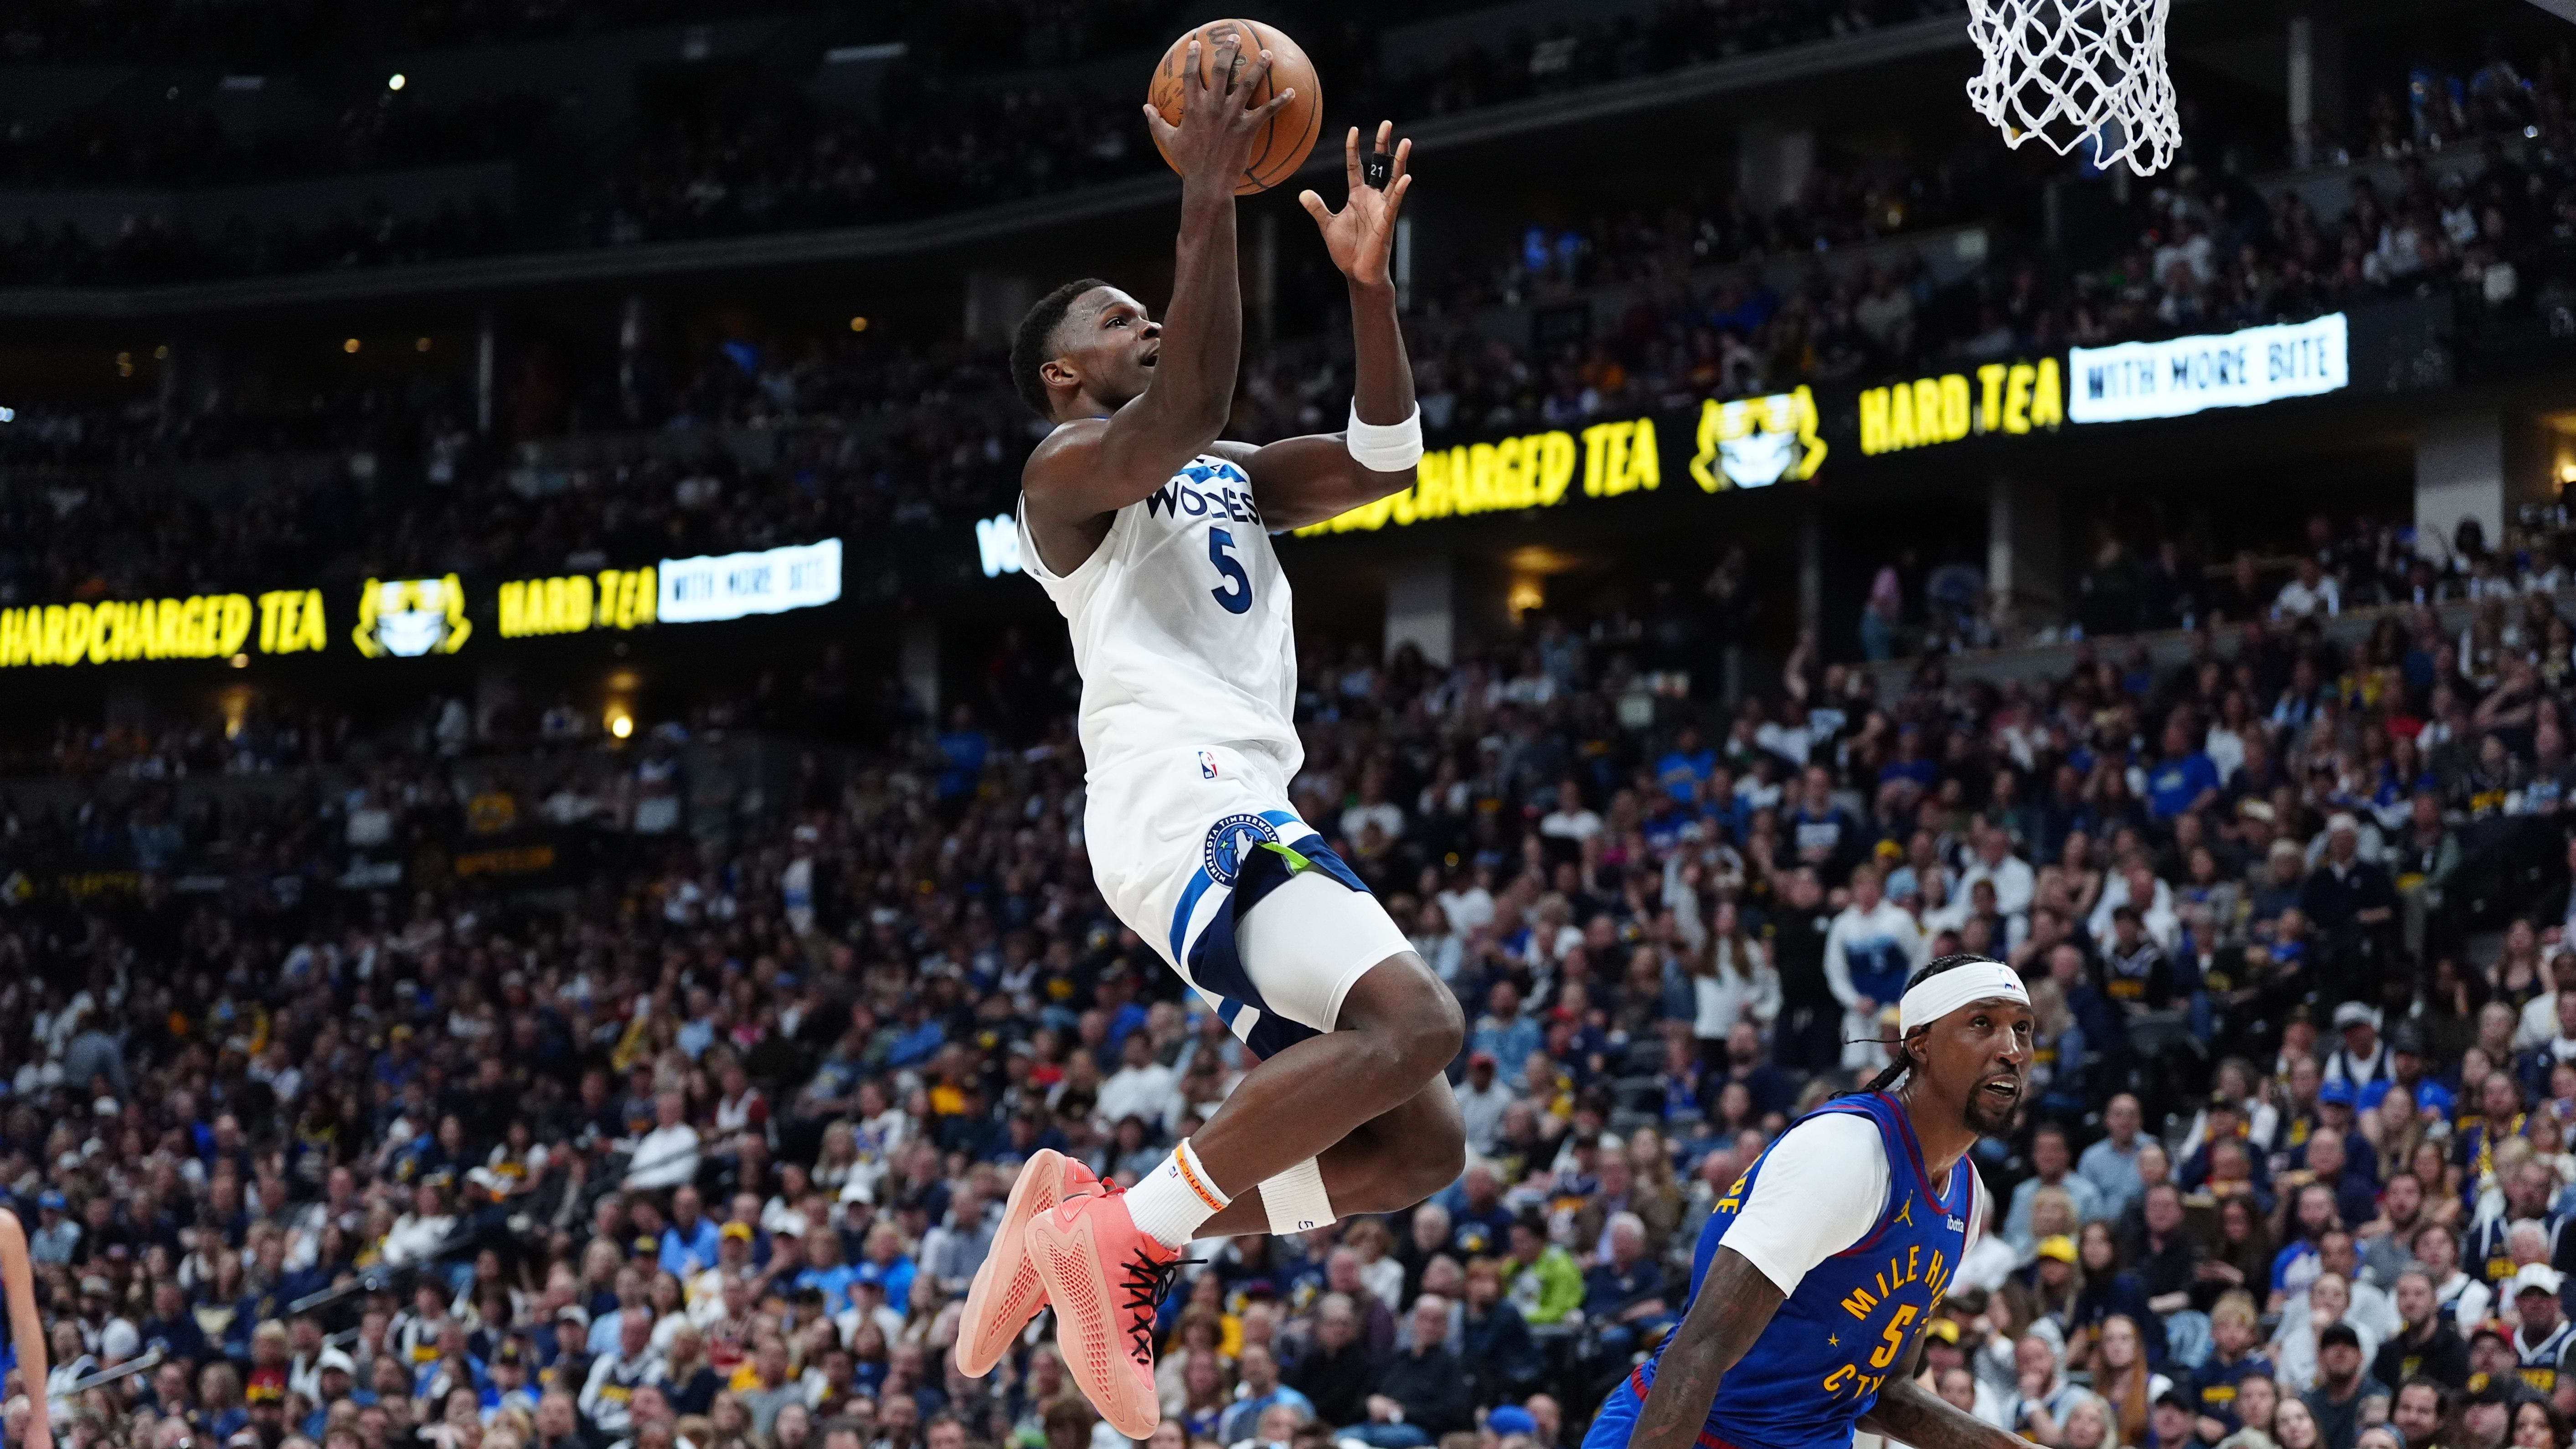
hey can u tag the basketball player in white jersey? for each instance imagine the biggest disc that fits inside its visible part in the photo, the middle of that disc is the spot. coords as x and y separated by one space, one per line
1153 538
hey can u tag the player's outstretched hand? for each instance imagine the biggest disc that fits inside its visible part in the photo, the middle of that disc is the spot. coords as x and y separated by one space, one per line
1213 141
1362 234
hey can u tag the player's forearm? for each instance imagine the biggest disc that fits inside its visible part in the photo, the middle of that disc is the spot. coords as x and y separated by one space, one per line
1202 340
1381 374
1913 1415
1735 1303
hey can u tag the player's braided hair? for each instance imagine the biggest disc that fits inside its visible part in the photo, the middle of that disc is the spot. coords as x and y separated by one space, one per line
1033 346
1896 1070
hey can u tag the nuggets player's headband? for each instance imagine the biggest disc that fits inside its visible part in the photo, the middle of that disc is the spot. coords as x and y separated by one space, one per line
1935 997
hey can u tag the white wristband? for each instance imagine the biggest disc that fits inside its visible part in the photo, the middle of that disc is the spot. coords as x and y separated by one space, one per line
1384 447
1295 1199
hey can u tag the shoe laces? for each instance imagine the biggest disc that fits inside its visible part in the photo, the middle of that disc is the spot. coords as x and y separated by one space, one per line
1146 1283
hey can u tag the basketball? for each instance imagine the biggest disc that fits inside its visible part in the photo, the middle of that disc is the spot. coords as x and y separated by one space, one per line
1283 147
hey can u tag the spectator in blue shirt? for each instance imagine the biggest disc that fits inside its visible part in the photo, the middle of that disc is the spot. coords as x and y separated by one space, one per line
1625 1294
824 1269
2184 779
1682 770
1502 1030
2111 1164
689 1244
886 1266
1260 1389
172 1328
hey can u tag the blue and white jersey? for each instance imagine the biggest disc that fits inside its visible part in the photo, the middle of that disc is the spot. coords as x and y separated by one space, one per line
1872 952
1856 1312
1182 624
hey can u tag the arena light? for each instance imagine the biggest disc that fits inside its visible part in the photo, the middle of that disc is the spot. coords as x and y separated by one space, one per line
350 345
621 724
396 81
858 324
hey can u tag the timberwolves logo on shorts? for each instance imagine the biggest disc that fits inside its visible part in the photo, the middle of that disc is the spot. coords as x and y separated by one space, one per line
1230 840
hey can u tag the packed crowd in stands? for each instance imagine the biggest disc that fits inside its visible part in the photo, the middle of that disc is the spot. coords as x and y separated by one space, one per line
699 1142
2135 584
758 156
112 146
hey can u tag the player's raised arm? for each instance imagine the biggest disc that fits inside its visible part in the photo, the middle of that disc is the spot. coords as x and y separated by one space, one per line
1734 1304
1307 480
1097 464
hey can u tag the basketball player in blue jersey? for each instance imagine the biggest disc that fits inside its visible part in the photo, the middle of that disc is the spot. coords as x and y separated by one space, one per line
22 1331
1152 536
1824 1263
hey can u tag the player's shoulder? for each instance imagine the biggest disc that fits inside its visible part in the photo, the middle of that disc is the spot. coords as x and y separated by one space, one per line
1058 450
1834 1133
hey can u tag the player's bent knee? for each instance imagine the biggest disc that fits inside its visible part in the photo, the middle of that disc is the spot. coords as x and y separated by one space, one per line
1402 1003
1435 1156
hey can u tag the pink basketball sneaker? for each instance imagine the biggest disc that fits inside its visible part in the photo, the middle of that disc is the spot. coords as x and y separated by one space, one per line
1006 1293
1105 1277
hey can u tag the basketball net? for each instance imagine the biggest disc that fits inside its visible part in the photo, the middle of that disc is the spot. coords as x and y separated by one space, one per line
2071 71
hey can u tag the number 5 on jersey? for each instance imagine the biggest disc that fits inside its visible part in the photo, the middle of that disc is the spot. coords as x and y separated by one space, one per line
1235 594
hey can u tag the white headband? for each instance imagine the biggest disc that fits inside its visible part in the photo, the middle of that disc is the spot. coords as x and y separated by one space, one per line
1935 997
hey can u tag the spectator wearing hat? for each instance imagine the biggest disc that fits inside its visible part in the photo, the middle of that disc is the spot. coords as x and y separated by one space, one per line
1482 1100
2132 970
2170 1423
2408 1055
53 1238
2362 1058
335 1378
2543 1339
2342 1388
1544 1281
2486 1413
1510 1420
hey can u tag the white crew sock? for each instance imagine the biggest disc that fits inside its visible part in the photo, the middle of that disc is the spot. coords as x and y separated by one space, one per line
1175 1199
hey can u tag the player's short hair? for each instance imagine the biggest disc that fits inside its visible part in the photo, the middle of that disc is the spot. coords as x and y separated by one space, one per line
1033 346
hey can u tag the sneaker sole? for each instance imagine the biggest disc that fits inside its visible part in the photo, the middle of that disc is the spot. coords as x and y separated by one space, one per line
1087 1328
1006 1292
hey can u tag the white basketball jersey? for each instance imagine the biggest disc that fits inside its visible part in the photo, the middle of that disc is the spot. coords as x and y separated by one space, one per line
1181 624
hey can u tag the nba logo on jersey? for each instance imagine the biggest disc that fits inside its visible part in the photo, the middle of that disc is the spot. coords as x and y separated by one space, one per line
1207 765
1232 839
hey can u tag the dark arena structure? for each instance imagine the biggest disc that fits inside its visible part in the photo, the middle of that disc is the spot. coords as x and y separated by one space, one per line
545 890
